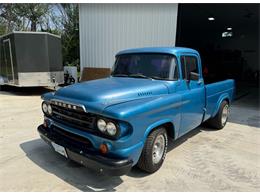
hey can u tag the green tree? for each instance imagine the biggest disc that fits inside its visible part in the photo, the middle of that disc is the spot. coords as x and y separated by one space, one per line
70 34
61 19
2 26
34 12
9 18
21 16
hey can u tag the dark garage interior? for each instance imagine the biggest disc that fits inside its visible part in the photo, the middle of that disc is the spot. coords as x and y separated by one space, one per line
227 37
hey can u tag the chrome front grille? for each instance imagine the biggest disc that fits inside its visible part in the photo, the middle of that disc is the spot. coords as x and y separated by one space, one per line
73 117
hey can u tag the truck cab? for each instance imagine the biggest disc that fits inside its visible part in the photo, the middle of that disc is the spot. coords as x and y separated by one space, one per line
114 123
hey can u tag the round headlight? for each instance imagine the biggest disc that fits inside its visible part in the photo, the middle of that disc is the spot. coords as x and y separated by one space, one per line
101 124
49 109
44 107
111 128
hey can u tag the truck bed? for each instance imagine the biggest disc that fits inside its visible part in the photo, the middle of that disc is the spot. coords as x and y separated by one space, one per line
215 93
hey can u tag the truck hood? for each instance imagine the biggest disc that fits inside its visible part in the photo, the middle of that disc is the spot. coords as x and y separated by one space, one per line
112 90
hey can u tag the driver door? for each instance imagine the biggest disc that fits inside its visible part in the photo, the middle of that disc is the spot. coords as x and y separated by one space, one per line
193 99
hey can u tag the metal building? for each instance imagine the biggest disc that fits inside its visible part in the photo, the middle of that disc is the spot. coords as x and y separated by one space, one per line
106 29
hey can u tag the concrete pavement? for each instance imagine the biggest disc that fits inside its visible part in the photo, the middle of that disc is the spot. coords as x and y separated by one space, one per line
203 160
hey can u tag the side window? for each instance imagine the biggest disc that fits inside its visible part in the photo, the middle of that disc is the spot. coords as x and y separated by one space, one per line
174 72
189 64
183 67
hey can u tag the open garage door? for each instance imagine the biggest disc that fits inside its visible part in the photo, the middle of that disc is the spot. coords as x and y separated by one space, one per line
227 36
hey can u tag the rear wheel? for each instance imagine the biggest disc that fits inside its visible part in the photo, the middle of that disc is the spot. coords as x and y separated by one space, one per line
154 151
220 120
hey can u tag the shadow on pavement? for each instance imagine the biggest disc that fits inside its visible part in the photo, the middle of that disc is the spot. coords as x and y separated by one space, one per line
175 143
79 176
245 110
172 144
74 174
23 91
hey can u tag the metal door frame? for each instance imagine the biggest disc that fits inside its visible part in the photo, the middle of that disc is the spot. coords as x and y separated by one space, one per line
11 57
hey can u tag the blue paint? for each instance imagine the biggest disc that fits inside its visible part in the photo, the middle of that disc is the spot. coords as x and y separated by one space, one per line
140 105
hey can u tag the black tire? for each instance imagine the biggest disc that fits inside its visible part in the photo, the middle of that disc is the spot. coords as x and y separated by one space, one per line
2 87
145 162
216 121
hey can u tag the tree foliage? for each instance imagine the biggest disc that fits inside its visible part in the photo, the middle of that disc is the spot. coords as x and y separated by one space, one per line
32 12
9 19
70 36
61 19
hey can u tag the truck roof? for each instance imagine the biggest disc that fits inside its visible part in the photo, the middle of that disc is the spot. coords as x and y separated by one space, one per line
168 50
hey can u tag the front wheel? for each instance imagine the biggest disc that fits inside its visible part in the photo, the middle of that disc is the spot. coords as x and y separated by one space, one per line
154 151
220 120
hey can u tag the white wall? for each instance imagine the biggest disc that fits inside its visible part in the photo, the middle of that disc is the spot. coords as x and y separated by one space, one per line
106 29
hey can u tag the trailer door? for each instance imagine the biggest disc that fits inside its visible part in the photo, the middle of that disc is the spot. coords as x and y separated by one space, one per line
8 60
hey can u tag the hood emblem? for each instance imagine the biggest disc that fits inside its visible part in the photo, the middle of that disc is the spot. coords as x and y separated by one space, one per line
68 105
145 93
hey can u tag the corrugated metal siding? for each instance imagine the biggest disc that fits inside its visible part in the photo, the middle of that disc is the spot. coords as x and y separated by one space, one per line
106 29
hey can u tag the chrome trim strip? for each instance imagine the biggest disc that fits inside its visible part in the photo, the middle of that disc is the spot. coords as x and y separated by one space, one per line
66 102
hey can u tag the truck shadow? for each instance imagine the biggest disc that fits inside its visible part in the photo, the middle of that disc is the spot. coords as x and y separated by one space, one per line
79 176
245 109
74 174
172 144
136 172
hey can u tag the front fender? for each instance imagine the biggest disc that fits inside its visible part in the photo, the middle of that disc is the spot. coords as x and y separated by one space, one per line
146 114
47 96
157 124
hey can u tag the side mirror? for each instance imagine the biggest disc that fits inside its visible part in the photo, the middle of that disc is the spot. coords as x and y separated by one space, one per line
194 76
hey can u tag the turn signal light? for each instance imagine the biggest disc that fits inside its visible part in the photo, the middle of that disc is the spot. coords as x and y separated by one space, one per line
103 148
45 123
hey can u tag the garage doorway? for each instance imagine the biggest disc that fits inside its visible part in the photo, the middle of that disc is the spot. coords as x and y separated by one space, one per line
227 37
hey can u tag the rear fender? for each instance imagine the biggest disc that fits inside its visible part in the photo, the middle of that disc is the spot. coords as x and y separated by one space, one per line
224 96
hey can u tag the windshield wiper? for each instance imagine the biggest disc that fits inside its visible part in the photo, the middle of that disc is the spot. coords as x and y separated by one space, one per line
139 76
119 75
131 75
158 78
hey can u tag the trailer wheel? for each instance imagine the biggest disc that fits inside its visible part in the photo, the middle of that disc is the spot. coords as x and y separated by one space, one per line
220 120
154 151
2 87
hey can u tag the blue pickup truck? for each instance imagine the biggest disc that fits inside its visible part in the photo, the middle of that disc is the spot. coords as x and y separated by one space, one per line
115 123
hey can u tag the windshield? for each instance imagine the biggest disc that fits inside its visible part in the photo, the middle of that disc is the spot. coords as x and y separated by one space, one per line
155 66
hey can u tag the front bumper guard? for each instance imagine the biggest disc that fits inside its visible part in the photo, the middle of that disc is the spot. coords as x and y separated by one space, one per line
95 162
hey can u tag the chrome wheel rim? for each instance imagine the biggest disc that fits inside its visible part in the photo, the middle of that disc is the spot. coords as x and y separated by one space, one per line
158 149
224 114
